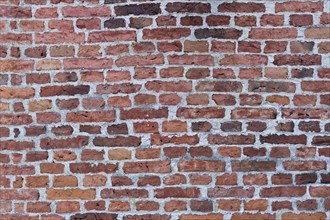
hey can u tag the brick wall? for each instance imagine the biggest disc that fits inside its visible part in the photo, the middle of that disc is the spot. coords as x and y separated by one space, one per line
158 110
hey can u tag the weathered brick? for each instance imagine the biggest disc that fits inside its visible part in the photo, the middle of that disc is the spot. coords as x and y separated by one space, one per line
220 192
70 194
59 38
91 116
292 60
231 139
76 142
251 165
283 191
82 11
119 141
68 90
147 60
251 60
165 33
111 36
177 192
272 33
208 112
201 166
230 33
15 65
20 194
141 9
296 6
124 193
241 7
144 113
90 168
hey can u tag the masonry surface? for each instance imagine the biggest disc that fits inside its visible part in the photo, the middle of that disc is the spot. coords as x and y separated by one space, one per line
164 110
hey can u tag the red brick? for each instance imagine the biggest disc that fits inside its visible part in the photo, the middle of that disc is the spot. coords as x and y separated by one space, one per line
15 119
65 181
124 193
245 21
292 60
67 90
70 194
165 33
148 167
141 9
219 86
140 60
226 179
231 139
15 12
174 205
304 165
253 165
91 116
301 113
111 36
271 19
218 46
180 86
46 13
241 7
177 192
281 205
145 127
149 180
82 11
307 216
184 139
315 86
239 216
166 20
61 25
67 207
183 7
147 153
52 168
196 179
203 60
119 141
272 33
169 46
201 165
21 194
121 181
283 191
147 206
250 60
87 63
15 65
75 142
144 113
95 205
117 88
296 6
220 33
255 113
37 207
59 38
240 192
37 181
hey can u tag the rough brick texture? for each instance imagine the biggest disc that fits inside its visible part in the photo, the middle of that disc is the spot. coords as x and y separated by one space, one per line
164 110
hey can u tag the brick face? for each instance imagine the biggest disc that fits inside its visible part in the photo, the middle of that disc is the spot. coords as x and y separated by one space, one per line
164 110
